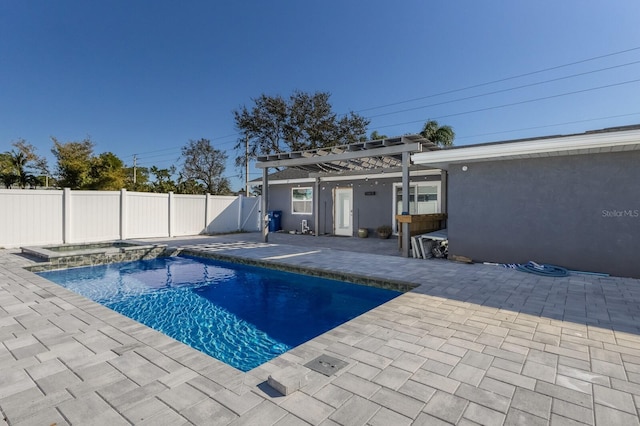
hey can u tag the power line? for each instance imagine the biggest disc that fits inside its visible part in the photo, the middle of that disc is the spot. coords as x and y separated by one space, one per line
502 79
515 103
179 149
173 154
149 152
504 90
547 126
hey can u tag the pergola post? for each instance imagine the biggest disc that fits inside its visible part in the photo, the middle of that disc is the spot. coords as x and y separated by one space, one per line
444 191
316 207
406 237
265 204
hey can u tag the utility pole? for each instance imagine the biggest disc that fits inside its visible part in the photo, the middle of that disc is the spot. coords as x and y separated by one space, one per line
134 171
246 164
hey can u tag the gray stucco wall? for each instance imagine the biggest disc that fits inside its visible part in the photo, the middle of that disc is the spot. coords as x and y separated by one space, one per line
581 212
369 211
280 199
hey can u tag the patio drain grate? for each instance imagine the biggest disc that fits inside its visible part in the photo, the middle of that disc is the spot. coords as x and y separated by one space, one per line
325 364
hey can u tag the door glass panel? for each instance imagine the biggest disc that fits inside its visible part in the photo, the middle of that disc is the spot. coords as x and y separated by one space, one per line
345 209
412 191
427 200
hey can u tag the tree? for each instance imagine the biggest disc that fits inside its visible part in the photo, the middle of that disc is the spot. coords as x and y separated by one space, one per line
141 181
73 162
5 162
189 186
8 179
440 135
376 136
162 180
35 162
7 176
303 121
204 164
18 165
106 173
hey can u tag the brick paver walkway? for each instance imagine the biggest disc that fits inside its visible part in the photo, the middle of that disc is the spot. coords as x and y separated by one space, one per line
473 344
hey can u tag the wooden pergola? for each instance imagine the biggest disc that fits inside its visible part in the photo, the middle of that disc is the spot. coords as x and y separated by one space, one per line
390 154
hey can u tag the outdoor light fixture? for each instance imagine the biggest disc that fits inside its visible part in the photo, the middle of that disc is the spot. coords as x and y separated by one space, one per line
465 168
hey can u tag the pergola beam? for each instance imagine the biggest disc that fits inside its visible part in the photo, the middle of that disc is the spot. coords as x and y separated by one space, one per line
326 157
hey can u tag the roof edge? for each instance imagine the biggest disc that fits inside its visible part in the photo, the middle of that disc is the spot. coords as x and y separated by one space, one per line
571 144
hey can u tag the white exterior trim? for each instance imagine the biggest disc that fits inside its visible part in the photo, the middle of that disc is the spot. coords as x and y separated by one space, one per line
564 145
414 173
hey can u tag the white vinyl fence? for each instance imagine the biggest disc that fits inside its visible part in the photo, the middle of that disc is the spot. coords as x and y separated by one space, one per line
35 217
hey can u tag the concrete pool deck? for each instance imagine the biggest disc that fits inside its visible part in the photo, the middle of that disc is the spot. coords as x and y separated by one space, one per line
472 344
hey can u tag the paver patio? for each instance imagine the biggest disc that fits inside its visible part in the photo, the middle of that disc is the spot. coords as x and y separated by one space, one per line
472 344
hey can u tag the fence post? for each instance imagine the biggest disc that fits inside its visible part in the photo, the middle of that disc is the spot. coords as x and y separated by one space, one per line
240 202
123 214
66 215
171 206
207 214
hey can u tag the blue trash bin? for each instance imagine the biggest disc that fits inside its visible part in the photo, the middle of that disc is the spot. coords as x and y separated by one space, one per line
275 220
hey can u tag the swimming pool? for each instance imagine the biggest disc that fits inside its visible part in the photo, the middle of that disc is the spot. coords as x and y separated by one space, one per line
242 315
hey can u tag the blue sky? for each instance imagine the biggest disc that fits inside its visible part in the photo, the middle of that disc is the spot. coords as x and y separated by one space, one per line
145 77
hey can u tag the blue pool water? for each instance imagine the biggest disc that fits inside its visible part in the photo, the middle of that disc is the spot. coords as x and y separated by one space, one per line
239 314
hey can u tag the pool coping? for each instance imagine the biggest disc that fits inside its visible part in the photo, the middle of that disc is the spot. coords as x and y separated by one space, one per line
401 286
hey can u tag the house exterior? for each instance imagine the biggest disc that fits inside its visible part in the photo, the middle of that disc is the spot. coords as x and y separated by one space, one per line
347 203
344 196
572 200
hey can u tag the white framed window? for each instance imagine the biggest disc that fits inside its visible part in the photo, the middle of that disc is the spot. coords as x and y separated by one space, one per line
302 200
424 198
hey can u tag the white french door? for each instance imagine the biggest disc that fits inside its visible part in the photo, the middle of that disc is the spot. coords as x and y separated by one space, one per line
343 211
424 198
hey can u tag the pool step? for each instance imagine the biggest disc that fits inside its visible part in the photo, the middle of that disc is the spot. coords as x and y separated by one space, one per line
289 379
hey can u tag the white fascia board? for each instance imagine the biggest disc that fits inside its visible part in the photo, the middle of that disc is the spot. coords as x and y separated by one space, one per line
432 172
576 144
284 181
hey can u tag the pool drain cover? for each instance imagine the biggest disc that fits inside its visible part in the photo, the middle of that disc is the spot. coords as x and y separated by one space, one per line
325 364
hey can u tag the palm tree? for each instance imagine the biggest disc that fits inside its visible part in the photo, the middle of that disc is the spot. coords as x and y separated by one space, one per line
16 166
19 162
8 179
439 135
